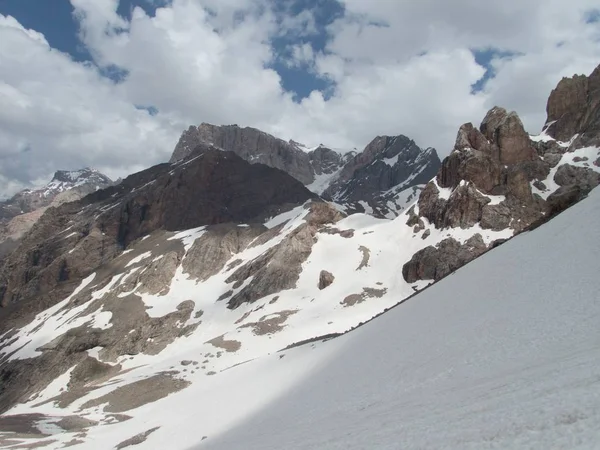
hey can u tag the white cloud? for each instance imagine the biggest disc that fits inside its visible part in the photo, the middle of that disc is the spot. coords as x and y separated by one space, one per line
398 67
60 114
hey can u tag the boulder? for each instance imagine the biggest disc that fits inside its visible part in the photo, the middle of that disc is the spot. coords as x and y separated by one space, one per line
325 279
434 263
584 176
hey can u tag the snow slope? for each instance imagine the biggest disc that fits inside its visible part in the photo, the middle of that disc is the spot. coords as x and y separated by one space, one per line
364 254
505 353
451 345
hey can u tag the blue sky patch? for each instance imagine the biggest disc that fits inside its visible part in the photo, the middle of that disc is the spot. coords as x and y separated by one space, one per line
592 16
301 80
484 58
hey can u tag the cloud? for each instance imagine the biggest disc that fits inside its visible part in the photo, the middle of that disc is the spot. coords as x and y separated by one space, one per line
392 67
541 41
61 114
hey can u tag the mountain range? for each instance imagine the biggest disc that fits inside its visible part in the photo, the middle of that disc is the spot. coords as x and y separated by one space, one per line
19 213
246 255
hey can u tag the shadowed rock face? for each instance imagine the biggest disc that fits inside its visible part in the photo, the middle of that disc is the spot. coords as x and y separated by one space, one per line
253 145
386 164
71 241
574 108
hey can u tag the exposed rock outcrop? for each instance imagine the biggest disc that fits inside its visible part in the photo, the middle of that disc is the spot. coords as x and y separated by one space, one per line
213 249
251 144
279 268
574 109
380 180
325 279
499 160
376 176
495 175
434 263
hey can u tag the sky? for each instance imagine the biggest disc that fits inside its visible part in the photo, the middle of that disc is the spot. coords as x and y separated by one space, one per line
112 84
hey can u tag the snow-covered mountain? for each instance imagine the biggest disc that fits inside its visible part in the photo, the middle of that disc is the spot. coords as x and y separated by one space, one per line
84 181
195 294
19 213
384 178
381 180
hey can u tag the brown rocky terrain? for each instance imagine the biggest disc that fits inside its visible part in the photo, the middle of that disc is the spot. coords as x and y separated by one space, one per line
574 110
495 177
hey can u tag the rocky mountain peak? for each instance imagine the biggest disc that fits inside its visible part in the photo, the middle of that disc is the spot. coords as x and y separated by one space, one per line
507 140
398 164
499 178
23 210
251 144
376 179
85 175
79 182
573 107
325 161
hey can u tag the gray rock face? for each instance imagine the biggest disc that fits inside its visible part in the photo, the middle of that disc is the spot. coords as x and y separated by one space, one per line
385 163
213 249
280 267
253 145
326 161
386 175
583 176
386 167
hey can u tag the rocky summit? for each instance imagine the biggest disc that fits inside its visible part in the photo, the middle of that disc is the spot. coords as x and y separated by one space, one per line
19 213
381 180
128 310
498 177
385 177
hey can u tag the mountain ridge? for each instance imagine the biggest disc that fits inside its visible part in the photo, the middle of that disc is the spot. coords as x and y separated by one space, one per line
20 212
186 273
357 181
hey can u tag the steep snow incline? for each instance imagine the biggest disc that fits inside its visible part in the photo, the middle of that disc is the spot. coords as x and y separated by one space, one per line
505 353
145 326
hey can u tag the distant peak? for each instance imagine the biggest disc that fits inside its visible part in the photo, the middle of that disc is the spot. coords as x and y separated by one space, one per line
74 176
